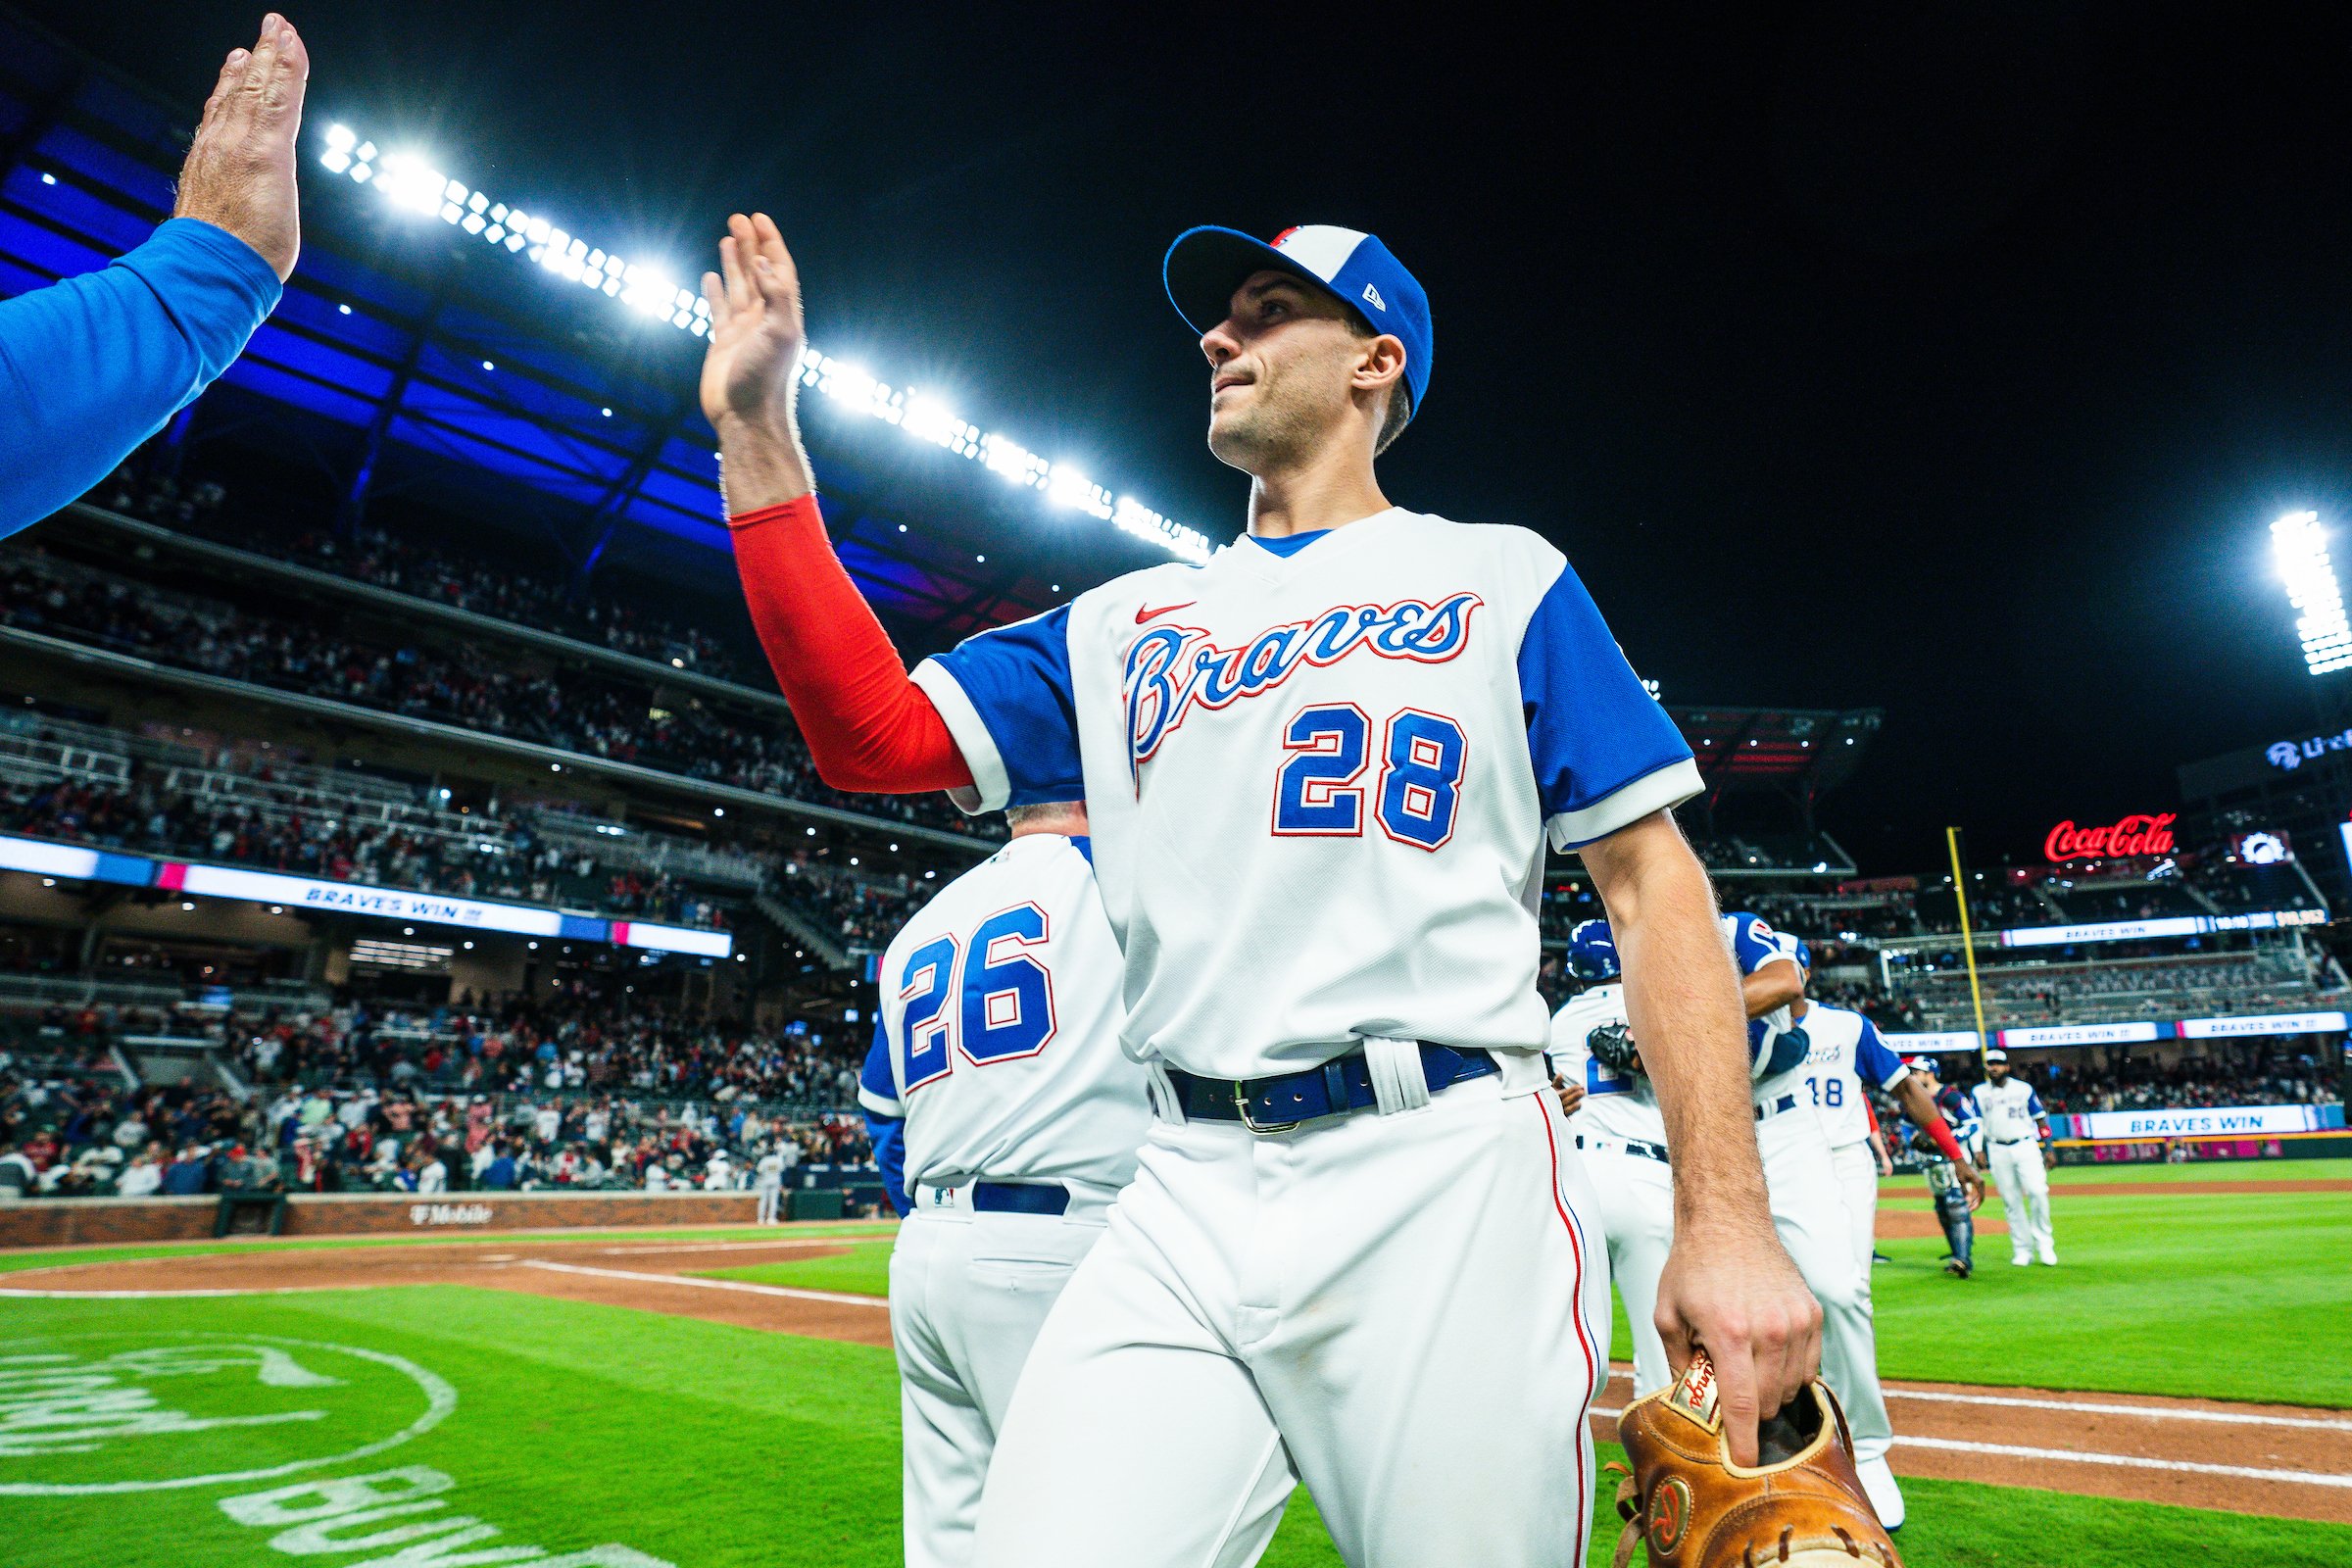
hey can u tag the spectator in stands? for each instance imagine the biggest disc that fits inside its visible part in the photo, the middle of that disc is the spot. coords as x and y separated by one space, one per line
145 1175
17 1175
91 366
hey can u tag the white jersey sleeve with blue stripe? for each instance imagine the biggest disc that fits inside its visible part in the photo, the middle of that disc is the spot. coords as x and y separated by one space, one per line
1321 773
1875 1061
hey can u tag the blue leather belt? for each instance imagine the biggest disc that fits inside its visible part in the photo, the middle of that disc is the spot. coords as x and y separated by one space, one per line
1342 1085
1784 1103
1631 1146
1019 1197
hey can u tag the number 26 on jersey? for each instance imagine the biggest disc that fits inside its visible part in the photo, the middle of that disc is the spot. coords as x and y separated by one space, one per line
987 998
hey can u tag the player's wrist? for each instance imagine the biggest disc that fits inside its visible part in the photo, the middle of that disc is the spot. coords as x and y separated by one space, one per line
761 462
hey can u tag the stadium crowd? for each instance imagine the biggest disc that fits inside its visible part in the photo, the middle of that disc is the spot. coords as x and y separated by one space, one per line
405 564
575 711
525 1095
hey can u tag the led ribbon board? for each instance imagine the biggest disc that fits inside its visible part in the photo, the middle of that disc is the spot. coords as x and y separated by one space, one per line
653 291
74 863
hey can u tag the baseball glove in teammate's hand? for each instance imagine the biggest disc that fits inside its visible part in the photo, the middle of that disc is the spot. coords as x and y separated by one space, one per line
1802 1506
1613 1045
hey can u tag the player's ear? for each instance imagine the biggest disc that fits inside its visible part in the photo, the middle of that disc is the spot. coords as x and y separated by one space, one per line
1381 364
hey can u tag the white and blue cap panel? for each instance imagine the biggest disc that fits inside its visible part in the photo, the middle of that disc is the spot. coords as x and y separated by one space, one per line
1206 265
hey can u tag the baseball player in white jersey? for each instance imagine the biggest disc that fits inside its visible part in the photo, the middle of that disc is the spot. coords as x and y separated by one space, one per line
1808 1205
2016 1130
1847 1049
1622 1138
1321 767
767 1183
998 1046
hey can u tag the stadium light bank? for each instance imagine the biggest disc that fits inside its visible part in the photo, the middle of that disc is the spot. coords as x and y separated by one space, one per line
2299 544
411 184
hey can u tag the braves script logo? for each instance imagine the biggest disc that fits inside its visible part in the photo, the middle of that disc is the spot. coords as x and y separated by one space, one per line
1171 669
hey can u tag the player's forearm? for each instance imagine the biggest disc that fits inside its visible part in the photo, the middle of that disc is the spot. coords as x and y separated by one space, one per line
1683 999
1919 1107
869 727
761 462
1771 988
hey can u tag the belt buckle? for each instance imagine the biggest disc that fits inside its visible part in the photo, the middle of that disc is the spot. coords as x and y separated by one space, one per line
1263 1129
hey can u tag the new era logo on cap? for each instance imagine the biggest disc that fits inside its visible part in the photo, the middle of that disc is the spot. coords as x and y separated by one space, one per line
1206 265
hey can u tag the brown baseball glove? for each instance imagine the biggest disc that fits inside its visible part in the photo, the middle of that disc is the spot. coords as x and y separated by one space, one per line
1802 1506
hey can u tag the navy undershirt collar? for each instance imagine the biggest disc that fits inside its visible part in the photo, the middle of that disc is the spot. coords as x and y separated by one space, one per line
1287 544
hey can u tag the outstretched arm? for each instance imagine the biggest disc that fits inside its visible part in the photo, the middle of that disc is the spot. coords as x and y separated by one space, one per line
1728 1285
869 726
1920 1105
93 366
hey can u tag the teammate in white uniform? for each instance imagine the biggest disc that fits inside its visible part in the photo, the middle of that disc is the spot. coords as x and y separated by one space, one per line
2015 1130
1847 1049
998 1046
1808 1205
1622 1134
1321 769
767 1181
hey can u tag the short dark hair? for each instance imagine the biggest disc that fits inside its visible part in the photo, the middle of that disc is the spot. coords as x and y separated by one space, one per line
1399 410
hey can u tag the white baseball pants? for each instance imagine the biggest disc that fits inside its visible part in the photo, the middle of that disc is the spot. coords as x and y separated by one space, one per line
967 1295
1808 1209
1634 1200
1398 1309
2025 1184
1857 1171
768 1204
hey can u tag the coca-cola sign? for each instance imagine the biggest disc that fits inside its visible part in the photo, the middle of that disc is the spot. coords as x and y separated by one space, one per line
2139 834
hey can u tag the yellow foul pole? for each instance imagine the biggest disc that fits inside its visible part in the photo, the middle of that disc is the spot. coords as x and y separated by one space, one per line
1968 942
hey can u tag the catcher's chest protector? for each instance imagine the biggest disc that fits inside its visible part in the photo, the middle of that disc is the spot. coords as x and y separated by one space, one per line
1692 1508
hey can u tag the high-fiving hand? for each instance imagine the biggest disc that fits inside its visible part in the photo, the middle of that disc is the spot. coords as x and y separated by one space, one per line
751 369
240 174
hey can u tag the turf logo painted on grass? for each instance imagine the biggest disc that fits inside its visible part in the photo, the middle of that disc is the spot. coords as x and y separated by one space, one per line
314 1518
100 1412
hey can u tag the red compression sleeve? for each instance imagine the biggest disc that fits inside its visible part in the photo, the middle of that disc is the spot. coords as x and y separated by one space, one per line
869 726
1871 1111
1941 1131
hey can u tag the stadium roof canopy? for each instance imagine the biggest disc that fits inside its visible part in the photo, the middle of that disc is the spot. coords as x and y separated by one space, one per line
409 355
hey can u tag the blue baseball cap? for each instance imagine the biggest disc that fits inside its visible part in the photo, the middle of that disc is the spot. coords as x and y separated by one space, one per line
1206 265
1593 952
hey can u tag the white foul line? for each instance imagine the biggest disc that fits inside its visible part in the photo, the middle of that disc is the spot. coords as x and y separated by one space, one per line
2128 1461
2151 1413
842 1297
721 1247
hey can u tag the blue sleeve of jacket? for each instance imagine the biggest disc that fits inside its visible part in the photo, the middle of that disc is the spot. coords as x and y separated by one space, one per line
93 366
889 1137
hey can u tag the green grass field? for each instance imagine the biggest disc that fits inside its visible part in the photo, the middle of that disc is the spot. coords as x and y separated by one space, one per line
576 1427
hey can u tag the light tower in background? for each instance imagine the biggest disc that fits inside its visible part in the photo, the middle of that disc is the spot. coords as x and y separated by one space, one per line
2299 548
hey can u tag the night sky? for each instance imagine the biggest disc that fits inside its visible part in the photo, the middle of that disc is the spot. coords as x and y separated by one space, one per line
1953 367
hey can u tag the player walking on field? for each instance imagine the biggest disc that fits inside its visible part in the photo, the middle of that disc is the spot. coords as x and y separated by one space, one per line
998 1046
1320 771
2016 1148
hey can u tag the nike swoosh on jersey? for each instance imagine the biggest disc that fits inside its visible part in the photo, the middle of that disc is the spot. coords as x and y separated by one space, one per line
1143 612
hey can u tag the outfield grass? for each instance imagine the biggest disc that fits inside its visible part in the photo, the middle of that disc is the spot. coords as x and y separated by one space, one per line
712 1446
132 1252
2146 1289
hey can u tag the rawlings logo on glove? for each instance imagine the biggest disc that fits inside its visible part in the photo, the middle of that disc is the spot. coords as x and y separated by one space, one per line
1802 1506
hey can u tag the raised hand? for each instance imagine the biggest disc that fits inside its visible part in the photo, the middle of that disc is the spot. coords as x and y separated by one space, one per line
240 174
751 369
